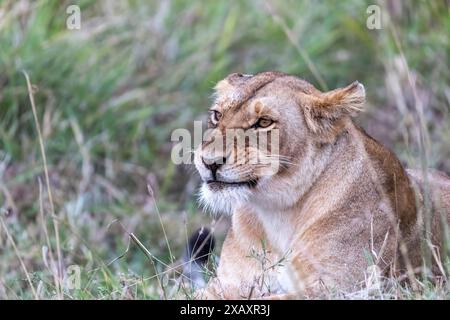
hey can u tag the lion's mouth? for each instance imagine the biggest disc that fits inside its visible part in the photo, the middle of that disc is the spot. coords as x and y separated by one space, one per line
217 184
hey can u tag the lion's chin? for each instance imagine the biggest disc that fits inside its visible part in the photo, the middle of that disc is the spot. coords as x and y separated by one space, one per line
223 199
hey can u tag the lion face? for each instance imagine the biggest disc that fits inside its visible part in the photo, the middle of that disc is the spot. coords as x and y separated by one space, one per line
265 132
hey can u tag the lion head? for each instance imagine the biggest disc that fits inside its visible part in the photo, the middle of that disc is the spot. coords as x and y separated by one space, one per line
269 137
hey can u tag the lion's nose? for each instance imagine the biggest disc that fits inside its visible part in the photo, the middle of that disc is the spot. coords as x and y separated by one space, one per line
213 164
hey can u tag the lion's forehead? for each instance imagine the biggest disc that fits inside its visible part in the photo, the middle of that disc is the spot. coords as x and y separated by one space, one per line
236 89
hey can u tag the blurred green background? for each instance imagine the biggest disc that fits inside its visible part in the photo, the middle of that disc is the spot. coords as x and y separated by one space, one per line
109 95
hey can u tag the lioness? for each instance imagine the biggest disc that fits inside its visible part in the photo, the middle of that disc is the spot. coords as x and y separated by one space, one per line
339 206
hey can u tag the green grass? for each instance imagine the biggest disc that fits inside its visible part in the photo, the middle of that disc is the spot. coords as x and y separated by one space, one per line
109 95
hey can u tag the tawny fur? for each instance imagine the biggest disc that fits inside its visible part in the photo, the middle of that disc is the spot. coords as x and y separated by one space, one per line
340 204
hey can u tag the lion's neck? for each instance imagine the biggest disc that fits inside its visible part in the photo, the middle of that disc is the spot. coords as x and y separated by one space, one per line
287 191
281 214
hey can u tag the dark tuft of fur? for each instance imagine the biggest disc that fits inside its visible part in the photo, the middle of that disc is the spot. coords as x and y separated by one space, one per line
200 245
198 250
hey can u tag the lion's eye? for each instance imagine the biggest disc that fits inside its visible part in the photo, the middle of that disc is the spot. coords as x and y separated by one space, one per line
215 116
262 123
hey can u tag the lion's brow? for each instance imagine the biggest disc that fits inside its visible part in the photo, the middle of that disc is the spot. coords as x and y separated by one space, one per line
252 89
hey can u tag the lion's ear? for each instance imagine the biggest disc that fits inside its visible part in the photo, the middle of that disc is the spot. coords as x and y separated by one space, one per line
326 112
